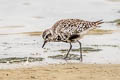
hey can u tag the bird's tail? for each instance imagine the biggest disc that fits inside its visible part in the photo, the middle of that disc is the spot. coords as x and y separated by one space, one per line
98 22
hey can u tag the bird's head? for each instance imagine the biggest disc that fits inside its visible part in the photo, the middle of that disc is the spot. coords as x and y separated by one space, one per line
47 36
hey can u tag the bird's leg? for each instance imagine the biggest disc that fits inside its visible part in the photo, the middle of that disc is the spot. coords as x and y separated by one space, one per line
68 51
81 59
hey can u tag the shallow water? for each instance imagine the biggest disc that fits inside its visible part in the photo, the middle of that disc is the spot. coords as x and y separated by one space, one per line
20 18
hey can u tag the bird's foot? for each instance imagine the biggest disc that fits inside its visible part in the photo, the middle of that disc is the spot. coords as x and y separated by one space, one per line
65 57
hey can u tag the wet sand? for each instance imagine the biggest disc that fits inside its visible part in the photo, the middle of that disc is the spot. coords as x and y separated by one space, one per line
64 72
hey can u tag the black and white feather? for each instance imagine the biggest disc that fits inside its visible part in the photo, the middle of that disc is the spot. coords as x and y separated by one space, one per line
69 30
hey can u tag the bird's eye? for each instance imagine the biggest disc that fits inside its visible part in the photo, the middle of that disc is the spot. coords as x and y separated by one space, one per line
47 36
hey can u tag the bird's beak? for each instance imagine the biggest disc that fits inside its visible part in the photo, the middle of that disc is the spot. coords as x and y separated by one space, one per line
44 44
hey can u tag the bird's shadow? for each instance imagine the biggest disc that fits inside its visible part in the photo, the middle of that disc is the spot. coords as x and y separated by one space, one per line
70 57
84 50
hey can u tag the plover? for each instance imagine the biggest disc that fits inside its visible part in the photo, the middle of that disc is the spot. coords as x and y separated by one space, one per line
69 31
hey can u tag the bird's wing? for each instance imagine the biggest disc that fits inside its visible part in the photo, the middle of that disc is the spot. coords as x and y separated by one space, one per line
73 27
66 28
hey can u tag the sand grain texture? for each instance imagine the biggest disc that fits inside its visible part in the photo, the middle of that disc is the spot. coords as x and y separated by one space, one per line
64 72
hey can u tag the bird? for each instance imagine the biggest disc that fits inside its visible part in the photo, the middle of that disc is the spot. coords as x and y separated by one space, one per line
69 31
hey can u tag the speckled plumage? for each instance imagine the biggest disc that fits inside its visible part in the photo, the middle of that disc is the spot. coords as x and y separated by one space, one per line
69 30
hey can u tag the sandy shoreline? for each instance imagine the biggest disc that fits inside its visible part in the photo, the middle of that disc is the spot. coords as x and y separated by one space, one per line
64 72
22 23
